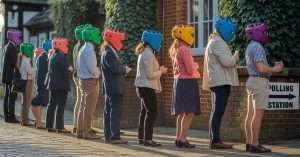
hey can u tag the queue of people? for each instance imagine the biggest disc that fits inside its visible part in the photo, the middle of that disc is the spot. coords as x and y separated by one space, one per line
48 69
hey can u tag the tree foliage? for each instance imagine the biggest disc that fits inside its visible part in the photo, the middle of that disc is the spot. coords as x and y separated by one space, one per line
132 17
67 14
282 18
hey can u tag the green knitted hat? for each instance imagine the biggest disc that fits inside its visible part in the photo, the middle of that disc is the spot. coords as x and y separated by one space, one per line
78 31
92 34
27 49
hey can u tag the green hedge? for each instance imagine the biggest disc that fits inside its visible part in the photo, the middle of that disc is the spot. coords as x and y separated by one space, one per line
133 17
283 19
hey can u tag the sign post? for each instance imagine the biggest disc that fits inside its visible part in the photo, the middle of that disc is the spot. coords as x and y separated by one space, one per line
283 96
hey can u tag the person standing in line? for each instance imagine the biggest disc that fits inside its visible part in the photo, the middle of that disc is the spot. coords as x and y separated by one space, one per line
257 84
147 82
58 82
9 67
88 74
219 75
78 45
186 100
26 71
113 82
41 99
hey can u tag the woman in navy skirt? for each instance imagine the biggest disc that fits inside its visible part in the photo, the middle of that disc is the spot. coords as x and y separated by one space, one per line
42 97
186 100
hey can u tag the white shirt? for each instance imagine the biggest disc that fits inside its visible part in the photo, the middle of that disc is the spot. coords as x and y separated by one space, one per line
26 69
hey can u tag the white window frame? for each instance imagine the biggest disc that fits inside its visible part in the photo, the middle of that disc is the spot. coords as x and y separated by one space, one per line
199 51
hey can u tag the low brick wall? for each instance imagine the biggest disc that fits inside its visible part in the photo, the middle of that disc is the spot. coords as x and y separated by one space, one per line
277 125
130 108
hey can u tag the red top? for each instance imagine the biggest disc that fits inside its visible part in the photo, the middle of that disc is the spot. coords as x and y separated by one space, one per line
184 66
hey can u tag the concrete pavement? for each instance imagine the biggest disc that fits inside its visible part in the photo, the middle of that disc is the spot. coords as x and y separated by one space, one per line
16 140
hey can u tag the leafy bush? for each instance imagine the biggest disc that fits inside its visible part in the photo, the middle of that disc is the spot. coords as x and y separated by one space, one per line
283 19
132 17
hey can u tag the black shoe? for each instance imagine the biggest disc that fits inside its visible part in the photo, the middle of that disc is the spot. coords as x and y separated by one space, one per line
140 141
247 147
266 149
151 144
258 149
185 144
13 120
176 143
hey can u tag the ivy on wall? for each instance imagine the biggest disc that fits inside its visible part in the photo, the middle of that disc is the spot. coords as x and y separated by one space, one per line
282 18
132 17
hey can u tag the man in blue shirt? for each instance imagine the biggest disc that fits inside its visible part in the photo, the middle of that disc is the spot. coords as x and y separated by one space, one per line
257 85
88 74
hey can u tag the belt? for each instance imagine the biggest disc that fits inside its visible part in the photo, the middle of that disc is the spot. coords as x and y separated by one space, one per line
260 76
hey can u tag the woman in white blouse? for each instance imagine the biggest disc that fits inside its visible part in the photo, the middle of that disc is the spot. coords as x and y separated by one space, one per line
26 71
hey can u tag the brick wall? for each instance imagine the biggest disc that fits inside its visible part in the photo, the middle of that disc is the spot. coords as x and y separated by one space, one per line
277 124
175 12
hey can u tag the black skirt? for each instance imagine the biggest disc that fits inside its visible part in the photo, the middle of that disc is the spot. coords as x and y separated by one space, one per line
186 97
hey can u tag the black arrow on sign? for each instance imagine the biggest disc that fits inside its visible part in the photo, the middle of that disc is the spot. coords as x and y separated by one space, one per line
289 96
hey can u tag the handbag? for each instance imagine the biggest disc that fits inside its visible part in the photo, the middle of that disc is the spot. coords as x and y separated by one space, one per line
19 84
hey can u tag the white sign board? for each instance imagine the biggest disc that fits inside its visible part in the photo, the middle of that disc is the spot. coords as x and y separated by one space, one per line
283 96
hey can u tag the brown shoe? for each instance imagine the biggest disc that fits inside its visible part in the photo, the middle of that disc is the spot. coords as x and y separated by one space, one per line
79 136
74 130
51 130
220 145
120 141
63 131
91 136
26 124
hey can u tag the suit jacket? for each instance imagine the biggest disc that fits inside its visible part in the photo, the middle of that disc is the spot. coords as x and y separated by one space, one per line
112 73
219 65
58 77
10 61
42 69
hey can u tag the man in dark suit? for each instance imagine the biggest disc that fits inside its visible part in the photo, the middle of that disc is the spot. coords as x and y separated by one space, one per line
113 81
9 67
59 85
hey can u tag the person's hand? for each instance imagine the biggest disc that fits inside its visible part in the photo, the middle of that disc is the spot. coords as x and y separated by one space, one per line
70 69
236 55
278 67
196 65
127 69
163 69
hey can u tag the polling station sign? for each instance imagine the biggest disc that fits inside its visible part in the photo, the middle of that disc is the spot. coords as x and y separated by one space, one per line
283 96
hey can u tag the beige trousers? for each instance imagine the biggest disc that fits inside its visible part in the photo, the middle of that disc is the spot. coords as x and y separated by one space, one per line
89 90
27 96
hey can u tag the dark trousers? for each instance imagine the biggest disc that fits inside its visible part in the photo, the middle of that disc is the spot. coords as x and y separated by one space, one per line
148 112
56 109
219 102
112 115
9 102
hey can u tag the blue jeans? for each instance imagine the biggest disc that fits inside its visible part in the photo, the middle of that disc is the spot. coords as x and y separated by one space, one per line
219 103
112 115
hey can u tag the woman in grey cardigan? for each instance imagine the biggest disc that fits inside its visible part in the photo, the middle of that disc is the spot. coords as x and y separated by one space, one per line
219 75
148 83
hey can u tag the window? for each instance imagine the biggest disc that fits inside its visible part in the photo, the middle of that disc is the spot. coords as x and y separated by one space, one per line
201 14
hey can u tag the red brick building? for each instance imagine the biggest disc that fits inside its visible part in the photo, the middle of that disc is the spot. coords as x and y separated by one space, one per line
279 124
